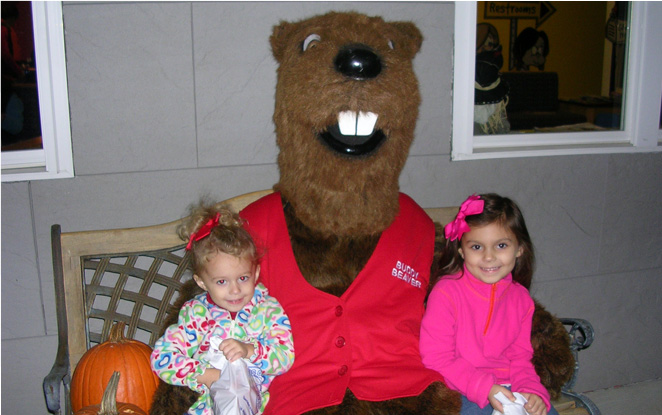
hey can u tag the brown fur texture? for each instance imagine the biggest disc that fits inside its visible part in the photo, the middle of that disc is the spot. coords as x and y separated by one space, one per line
332 194
552 357
328 262
336 206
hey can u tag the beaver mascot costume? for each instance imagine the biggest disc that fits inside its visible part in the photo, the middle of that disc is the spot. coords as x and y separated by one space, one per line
348 256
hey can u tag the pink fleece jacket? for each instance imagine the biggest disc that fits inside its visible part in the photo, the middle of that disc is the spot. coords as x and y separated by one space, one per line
478 335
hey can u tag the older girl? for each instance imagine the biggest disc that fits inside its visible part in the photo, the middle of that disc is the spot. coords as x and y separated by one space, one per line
476 330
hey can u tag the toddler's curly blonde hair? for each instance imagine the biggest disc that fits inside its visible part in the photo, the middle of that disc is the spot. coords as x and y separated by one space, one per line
228 236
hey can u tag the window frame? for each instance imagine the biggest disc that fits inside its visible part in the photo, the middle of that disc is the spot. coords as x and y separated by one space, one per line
641 104
55 159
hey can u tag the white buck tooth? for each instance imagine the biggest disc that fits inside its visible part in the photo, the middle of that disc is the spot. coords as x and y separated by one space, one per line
350 124
347 122
366 123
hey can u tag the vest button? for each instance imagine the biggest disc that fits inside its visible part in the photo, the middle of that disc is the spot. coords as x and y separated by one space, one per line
339 311
340 341
343 369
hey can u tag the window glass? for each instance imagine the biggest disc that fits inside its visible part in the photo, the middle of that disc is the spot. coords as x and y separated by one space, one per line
21 125
39 147
550 67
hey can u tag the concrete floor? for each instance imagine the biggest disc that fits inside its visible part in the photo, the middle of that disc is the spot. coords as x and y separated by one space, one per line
643 398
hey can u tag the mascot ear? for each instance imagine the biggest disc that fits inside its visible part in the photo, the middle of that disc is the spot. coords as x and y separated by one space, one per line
279 39
410 38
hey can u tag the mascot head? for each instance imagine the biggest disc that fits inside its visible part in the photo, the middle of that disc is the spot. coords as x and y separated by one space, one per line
346 107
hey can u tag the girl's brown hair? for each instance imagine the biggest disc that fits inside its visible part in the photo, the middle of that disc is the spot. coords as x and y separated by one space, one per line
503 211
229 236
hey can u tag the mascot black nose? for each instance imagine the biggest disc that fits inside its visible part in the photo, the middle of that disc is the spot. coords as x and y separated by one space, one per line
358 62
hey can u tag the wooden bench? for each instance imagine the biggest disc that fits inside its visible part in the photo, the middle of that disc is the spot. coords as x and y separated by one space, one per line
134 275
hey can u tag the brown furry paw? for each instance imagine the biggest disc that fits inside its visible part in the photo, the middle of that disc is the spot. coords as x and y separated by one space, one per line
172 400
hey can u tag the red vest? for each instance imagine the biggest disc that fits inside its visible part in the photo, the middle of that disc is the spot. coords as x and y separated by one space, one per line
367 339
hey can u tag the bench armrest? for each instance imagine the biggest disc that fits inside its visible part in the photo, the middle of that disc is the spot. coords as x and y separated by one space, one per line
59 375
581 333
581 336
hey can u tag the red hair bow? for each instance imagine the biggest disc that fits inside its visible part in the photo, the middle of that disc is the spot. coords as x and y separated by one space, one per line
204 231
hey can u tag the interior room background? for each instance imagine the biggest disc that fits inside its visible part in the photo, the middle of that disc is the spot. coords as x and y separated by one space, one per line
172 100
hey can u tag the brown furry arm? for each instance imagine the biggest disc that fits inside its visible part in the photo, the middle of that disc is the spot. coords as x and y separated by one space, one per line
552 357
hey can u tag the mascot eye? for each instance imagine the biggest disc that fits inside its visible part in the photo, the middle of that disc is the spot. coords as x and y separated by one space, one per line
311 41
390 44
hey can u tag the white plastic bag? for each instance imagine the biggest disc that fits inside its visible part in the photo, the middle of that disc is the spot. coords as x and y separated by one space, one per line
510 407
236 392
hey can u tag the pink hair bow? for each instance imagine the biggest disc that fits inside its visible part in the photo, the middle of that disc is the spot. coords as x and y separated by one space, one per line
204 231
472 206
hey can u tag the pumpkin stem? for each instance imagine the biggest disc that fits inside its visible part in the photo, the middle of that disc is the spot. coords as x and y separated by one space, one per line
109 401
117 333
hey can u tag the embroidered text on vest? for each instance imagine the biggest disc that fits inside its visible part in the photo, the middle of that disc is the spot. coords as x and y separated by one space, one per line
406 273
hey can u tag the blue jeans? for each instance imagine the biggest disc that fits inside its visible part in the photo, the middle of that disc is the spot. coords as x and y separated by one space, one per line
470 408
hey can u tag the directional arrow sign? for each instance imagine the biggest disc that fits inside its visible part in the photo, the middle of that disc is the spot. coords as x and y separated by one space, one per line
538 10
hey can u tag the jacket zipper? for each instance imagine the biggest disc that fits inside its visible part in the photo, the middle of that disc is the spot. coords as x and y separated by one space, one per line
489 313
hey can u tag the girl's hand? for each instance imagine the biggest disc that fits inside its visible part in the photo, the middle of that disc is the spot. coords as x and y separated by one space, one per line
535 404
209 376
494 401
234 349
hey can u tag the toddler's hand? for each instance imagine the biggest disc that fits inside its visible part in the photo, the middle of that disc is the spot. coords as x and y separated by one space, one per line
209 376
494 401
234 349
535 404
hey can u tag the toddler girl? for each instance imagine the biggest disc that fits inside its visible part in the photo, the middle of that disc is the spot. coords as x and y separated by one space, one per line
476 330
233 310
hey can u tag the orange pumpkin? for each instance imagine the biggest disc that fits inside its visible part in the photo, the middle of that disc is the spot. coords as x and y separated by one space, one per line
109 404
127 356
